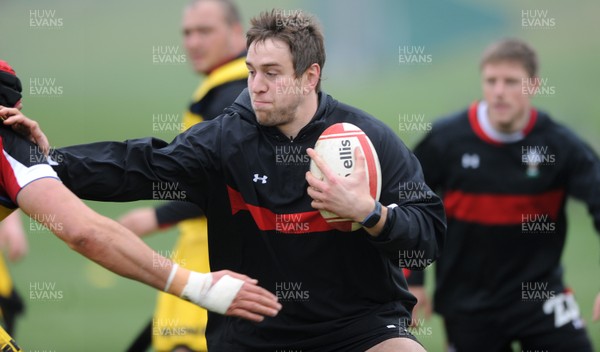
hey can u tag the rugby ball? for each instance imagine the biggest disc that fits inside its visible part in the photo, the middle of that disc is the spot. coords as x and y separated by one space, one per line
336 146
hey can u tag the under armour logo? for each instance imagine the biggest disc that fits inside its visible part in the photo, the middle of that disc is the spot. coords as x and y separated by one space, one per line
470 161
263 178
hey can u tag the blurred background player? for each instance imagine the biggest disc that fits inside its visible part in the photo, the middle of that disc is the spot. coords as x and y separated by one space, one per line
26 177
13 242
215 45
505 170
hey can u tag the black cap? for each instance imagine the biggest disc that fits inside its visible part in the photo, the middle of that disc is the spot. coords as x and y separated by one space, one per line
10 86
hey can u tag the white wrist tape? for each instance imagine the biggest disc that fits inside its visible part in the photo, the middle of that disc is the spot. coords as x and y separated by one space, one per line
217 298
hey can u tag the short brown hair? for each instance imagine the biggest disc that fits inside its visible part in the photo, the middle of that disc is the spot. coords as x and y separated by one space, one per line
300 31
512 50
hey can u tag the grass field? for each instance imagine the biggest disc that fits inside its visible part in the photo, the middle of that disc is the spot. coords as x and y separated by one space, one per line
102 58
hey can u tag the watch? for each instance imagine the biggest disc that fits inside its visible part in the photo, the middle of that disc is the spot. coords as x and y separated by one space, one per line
373 218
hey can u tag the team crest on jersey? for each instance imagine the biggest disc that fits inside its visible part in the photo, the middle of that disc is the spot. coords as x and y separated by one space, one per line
533 169
532 159
470 161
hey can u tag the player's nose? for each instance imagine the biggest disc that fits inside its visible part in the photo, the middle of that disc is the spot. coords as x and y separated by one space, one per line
257 83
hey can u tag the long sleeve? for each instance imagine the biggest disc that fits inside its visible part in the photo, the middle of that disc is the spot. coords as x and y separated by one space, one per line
415 229
173 212
429 154
583 181
144 168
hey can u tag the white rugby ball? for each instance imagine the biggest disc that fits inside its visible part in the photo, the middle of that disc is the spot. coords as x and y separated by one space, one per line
336 146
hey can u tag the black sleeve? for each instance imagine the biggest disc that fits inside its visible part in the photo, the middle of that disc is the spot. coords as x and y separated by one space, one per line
416 227
173 212
145 168
583 181
429 156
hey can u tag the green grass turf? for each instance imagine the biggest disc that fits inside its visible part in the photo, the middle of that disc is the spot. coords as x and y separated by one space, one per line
102 58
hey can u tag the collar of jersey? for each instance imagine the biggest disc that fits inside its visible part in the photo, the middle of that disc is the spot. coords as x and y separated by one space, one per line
482 127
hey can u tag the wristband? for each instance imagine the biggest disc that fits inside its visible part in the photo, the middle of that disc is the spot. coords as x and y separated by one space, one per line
171 277
217 298
373 218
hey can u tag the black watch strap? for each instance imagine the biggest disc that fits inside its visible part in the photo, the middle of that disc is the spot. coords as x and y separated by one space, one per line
373 218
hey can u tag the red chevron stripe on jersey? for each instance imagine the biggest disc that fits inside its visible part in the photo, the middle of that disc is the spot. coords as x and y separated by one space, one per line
501 209
266 220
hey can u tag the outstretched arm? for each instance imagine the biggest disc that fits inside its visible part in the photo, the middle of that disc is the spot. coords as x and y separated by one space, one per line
141 221
146 168
117 249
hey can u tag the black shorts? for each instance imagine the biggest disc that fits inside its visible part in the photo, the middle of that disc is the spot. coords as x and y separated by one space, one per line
359 336
358 344
553 325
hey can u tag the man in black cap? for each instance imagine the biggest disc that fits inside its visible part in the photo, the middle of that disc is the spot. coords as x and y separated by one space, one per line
12 235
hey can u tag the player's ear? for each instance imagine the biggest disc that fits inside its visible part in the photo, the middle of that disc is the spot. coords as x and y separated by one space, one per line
311 77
